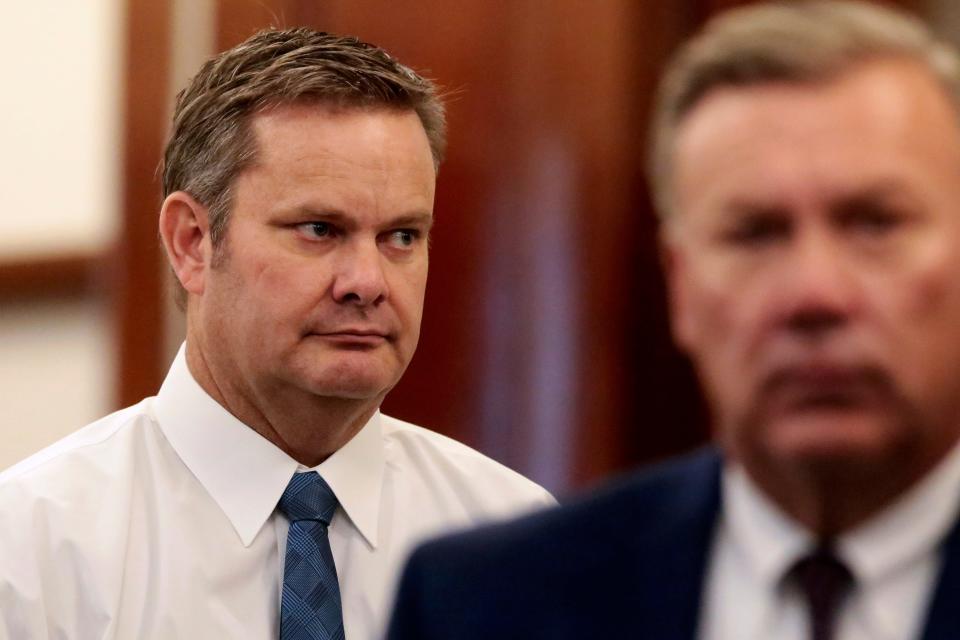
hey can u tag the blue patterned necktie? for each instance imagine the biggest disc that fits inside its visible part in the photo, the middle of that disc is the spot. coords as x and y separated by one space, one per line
310 606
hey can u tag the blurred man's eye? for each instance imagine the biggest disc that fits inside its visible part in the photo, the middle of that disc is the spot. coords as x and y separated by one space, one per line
871 220
756 230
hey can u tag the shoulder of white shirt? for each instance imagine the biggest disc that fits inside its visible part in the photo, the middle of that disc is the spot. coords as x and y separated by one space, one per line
427 445
414 441
97 433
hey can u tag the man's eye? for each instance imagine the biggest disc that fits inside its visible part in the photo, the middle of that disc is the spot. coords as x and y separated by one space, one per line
403 237
757 231
872 222
316 229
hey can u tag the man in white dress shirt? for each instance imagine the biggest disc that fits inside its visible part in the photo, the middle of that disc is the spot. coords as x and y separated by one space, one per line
299 186
807 165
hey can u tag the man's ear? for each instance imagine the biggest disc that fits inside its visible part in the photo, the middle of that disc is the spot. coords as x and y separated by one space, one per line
674 269
185 231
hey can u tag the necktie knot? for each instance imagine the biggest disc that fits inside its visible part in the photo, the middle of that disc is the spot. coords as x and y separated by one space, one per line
310 606
308 497
824 581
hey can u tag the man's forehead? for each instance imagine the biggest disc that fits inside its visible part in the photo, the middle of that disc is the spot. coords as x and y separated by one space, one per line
318 130
767 130
865 83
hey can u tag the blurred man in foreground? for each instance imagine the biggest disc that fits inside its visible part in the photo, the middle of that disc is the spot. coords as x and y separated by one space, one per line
261 494
807 165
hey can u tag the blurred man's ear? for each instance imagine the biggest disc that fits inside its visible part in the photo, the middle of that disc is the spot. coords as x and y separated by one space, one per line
185 231
674 269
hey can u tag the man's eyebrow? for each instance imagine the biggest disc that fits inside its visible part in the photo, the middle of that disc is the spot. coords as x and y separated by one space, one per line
889 189
419 219
882 188
747 207
414 219
326 213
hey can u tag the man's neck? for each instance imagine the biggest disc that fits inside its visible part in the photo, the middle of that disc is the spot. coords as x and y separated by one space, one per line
830 498
307 427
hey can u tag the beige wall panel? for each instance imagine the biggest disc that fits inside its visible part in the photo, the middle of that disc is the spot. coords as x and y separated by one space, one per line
55 372
60 126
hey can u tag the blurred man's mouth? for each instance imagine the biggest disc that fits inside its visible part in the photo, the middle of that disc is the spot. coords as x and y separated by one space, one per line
825 386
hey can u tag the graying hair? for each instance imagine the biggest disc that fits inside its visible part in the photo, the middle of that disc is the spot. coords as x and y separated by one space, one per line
802 41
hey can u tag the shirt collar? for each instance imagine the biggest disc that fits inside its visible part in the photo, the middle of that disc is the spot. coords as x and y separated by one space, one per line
903 533
911 526
355 473
246 474
767 539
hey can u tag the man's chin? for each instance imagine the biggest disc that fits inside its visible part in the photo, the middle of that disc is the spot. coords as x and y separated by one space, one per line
831 438
350 376
348 388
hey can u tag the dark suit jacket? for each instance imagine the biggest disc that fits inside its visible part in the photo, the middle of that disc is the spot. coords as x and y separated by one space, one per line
627 563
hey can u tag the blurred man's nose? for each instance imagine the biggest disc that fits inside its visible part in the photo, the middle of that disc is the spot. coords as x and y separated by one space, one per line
360 278
817 285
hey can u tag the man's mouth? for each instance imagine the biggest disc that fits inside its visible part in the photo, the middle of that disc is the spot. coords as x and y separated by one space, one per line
826 387
353 337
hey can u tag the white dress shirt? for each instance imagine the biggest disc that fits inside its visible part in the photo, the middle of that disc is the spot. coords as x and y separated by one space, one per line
893 558
159 521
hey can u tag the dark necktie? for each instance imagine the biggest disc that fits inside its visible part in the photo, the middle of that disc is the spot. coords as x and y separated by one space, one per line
824 582
310 606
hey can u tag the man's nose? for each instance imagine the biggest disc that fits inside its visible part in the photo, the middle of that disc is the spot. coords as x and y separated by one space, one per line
819 290
360 277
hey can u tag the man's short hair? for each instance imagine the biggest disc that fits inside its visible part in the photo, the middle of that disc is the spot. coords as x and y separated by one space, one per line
801 41
212 140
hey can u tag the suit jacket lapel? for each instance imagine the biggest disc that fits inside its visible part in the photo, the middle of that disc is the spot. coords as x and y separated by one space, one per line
675 551
943 617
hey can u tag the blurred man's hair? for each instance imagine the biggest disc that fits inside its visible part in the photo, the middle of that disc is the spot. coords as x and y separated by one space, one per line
800 41
212 140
